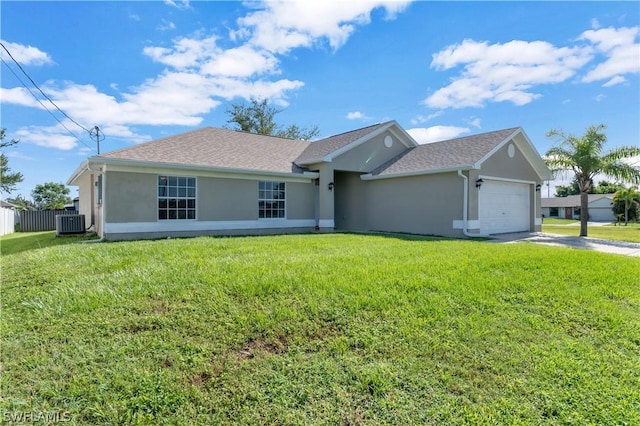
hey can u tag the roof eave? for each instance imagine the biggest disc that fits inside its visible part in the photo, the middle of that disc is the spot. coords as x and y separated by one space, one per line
369 176
230 170
77 173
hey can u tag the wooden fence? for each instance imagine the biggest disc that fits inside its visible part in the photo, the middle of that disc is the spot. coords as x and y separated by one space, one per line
40 220
7 221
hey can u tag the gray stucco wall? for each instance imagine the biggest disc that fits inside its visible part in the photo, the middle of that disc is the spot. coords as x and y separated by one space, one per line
300 200
132 197
501 165
419 204
369 155
226 199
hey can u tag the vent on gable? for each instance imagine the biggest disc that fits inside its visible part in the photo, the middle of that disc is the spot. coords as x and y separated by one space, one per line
69 224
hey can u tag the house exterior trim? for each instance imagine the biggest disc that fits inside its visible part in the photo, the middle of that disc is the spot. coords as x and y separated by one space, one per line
369 176
204 171
196 225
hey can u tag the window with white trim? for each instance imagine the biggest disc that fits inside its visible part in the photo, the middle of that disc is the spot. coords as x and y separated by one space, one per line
271 200
176 197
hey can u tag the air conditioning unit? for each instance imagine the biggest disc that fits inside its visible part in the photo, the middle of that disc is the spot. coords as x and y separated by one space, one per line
69 224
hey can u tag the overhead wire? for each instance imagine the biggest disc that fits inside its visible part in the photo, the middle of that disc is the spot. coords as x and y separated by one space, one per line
45 107
40 90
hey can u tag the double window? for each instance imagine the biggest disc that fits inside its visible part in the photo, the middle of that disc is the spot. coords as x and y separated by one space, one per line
271 200
176 197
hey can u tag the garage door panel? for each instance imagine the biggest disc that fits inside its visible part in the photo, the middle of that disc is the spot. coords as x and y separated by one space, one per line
504 207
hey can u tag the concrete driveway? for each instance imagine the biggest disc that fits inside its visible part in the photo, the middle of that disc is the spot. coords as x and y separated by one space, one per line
586 243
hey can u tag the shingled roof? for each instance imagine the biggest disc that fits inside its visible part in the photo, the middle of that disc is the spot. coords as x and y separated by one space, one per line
571 200
218 148
452 153
317 150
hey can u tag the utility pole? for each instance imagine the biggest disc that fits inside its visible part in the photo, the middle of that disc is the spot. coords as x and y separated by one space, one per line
95 132
97 129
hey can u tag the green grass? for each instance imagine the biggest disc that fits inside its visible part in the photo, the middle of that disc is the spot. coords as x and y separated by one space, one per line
22 241
321 329
629 233
556 221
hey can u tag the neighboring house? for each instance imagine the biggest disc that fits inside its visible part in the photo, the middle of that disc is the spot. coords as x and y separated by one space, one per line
217 181
600 207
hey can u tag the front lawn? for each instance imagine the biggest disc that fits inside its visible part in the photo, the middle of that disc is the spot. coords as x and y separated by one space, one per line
320 329
629 233
556 221
22 241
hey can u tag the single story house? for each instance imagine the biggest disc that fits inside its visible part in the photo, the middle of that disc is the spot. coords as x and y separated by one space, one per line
600 207
215 181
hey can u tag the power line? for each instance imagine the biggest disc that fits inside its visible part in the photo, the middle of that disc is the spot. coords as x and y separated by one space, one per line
45 107
40 90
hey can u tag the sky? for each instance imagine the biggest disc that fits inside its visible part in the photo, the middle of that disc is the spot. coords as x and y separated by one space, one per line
145 70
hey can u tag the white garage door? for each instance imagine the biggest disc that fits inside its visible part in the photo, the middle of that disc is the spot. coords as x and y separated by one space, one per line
601 215
504 207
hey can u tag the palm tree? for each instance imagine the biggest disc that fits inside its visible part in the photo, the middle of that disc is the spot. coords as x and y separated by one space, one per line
629 196
585 157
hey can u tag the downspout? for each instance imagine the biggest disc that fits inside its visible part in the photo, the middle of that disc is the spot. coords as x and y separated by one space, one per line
465 207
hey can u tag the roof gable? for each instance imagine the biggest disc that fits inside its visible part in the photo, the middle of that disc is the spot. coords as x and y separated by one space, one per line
468 152
216 148
462 152
325 150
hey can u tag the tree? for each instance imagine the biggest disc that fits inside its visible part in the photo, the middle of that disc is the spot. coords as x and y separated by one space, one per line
22 203
605 187
565 191
51 196
585 158
627 200
258 118
8 179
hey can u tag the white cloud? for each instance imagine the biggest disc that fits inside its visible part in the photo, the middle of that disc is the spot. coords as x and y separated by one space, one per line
509 72
419 119
242 61
502 72
357 115
166 25
18 96
424 135
475 122
50 137
282 25
180 4
185 53
621 50
25 55
618 79
599 97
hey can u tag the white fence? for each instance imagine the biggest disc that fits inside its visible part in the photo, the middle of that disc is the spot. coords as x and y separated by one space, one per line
7 221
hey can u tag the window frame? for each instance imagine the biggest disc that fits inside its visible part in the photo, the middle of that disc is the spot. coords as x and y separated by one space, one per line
265 194
181 195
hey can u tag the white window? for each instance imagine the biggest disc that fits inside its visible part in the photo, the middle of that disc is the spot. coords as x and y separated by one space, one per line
271 200
176 197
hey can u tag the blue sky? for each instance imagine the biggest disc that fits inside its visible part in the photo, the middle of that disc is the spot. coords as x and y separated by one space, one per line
144 70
